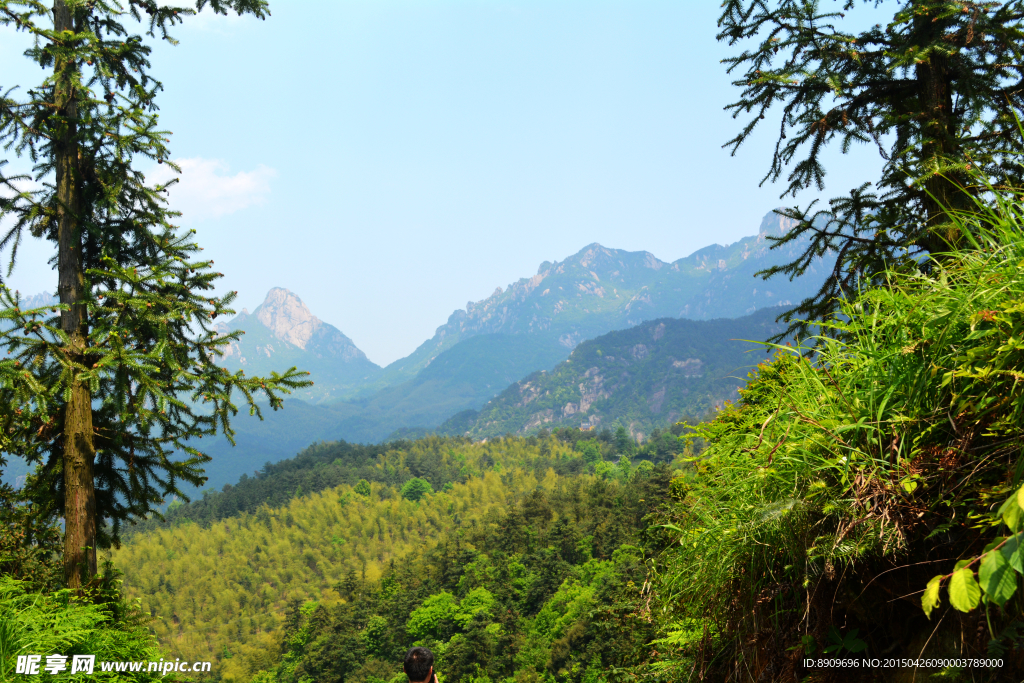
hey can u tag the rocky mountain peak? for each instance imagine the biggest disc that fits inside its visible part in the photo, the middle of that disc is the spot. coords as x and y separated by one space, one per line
284 314
775 225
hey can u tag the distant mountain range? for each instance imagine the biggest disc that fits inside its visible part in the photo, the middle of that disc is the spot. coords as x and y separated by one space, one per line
282 332
592 292
598 290
532 325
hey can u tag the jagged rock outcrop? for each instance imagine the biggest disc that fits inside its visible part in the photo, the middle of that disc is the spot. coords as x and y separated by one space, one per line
287 317
282 332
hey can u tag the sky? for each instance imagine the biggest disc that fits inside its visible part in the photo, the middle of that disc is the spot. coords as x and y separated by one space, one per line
390 160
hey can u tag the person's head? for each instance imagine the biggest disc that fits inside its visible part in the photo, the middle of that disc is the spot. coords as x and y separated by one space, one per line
419 665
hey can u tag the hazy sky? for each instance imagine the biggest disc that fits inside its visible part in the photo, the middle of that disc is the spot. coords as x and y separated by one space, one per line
390 160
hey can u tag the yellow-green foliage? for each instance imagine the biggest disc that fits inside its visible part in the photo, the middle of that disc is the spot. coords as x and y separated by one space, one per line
222 591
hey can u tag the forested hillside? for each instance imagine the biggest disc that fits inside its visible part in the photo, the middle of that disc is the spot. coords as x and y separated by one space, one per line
455 380
551 586
219 575
643 378
854 514
649 376
822 521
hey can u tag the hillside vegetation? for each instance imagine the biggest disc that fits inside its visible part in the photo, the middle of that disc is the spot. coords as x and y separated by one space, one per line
649 376
644 378
551 587
866 500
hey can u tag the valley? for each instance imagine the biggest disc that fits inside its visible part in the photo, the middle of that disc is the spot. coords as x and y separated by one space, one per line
529 327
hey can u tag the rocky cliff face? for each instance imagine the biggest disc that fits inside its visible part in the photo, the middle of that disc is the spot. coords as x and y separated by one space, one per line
290 324
291 321
287 317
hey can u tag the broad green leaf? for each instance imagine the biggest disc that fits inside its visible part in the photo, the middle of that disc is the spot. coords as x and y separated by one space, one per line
852 643
930 599
964 592
1012 514
1020 498
1013 551
998 579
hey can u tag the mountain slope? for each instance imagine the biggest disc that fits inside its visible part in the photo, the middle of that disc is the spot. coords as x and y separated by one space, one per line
225 579
644 377
592 292
282 332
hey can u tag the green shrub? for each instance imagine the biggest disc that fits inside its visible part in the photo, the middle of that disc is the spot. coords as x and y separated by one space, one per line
60 623
846 470
416 488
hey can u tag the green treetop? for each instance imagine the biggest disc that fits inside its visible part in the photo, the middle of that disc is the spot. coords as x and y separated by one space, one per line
936 91
121 373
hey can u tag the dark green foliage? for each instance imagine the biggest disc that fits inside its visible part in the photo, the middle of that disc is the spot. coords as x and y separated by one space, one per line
624 443
415 488
590 451
845 479
30 541
101 623
326 465
318 467
936 91
119 367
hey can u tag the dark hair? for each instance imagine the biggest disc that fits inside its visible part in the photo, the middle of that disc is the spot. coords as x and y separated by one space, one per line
418 662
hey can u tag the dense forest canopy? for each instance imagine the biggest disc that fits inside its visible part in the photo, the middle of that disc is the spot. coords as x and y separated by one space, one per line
226 577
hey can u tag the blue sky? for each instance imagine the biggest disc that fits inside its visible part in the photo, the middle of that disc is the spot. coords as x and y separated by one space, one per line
389 160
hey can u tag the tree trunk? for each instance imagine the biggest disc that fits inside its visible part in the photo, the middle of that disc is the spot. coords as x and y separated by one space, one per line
79 453
940 142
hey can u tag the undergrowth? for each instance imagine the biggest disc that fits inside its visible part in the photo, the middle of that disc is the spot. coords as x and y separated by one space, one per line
851 472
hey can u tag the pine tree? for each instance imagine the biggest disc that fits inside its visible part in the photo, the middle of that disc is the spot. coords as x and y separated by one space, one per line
937 92
122 371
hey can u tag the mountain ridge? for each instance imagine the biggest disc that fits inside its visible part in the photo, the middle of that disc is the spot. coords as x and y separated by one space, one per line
599 289
282 332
